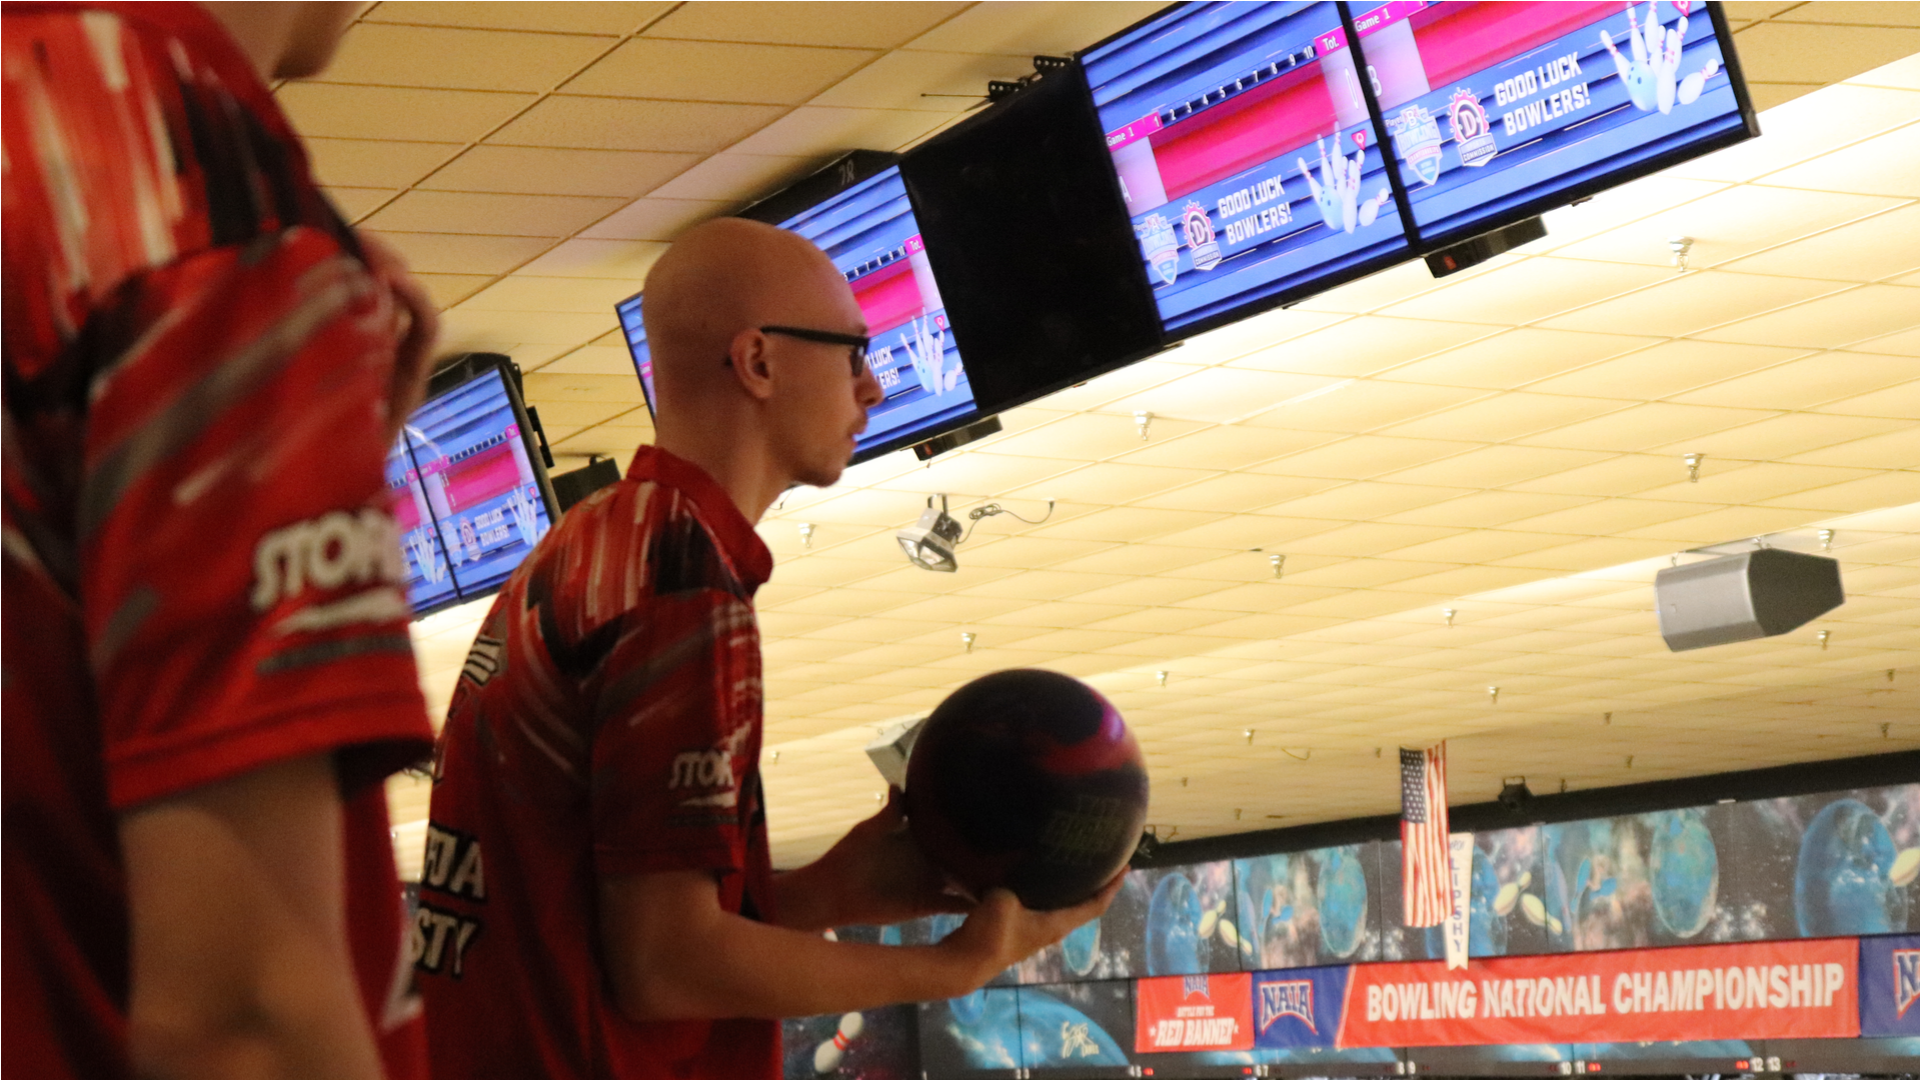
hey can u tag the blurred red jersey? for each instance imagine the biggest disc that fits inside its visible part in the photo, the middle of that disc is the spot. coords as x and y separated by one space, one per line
607 722
199 564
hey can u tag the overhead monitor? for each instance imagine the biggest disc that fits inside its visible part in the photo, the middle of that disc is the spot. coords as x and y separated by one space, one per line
468 491
1499 111
869 231
1249 162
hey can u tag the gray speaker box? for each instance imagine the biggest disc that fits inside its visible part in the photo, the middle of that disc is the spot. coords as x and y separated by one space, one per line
1741 597
889 752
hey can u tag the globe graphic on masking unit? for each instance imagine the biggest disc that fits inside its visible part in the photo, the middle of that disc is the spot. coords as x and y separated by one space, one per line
1057 1034
1081 948
1844 883
1173 929
1684 871
1343 903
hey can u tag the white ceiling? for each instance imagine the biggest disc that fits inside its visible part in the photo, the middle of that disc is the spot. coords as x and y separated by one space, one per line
1506 442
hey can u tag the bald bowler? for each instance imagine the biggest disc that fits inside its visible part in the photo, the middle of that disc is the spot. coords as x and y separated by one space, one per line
598 899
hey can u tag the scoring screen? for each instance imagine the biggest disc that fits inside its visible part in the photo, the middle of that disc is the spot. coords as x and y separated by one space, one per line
1493 107
1246 154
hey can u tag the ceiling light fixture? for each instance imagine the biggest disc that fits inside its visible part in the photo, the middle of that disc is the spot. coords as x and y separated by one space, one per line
929 542
806 534
1142 421
1692 462
1278 562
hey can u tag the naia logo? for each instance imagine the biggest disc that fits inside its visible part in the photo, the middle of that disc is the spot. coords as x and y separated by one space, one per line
1292 998
1906 979
1195 984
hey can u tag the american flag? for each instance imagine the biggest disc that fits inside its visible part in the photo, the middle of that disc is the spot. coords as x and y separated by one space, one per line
1426 877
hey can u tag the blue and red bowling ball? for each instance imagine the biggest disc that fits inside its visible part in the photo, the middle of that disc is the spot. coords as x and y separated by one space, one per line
1027 780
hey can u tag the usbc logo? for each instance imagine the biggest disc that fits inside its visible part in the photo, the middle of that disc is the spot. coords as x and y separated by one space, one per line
1906 980
1292 998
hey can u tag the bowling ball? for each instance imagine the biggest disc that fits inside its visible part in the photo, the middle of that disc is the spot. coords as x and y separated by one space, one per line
1174 944
1030 781
1684 872
1844 883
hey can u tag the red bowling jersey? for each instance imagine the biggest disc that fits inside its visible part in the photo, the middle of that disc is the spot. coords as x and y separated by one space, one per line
200 570
607 722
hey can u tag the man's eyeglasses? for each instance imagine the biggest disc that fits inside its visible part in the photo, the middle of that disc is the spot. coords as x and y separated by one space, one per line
856 344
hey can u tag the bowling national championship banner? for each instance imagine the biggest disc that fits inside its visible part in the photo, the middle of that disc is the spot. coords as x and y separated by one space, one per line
1890 986
1183 1013
1787 990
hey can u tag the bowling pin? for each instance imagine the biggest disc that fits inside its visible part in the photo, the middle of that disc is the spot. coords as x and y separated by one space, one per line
828 1055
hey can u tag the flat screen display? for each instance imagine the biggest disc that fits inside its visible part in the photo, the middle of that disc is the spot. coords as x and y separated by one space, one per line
1497 111
870 233
467 495
1250 164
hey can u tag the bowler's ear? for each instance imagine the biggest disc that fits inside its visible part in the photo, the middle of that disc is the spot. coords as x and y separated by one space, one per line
749 359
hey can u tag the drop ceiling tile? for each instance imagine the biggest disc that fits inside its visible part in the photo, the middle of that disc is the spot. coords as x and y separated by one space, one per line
469 212
814 129
1224 447
1236 492
1899 449
1882 246
1114 385
1785 436
1238 533
1901 74
1644 426
627 124
1831 321
1589 554
1515 358
1362 501
626 261
1021 28
1822 53
1617 207
1130 525
1372 538
807 22
449 289
527 170
1037 585
1901 344
1805 129
1363 346
356 203
763 74
1751 483
1806 382
1136 559
1488 509
1531 290
550 294
1110 483
1497 466
1150 592
458 253
375 163
657 219
1868 493
384 54
1667 369
938 82
531 327
1723 526
1695 301
596 18
1362 405
1508 416
1729 224
594 360
331 110
1609 517
1477 546
1362 457
1222 394
1033 552
1466 580
545 387
569 416
1084 437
